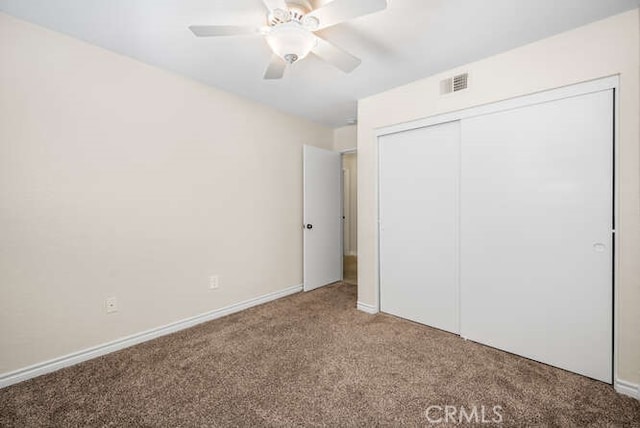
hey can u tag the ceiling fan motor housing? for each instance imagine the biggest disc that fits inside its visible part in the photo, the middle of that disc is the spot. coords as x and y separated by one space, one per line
297 11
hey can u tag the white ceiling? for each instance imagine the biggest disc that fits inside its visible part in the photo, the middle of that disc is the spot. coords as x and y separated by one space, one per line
410 40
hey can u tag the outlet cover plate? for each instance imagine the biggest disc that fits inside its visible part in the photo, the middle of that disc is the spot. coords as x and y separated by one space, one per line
214 282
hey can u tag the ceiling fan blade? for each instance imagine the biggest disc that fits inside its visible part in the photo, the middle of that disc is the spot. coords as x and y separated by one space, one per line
275 69
343 10
222 30
335 56
275 4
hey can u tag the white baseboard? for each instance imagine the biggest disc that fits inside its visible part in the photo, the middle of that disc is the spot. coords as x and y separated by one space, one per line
370 309
627 388
35 370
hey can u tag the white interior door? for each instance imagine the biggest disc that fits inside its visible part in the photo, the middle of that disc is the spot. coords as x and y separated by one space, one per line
322 217
419 172
536 232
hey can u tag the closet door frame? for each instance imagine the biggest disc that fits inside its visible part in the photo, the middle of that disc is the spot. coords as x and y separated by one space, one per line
588 87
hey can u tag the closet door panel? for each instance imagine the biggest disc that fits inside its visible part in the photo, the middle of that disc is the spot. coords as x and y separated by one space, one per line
536 232
419 173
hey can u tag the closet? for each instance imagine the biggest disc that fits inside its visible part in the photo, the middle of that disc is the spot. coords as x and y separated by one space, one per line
499 227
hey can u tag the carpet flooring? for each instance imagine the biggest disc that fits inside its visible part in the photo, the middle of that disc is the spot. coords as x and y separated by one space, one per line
312 359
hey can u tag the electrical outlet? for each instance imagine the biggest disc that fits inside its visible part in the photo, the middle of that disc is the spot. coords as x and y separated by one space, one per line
111 305
214 282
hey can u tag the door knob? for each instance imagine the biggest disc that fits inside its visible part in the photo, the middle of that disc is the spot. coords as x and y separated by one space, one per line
309 226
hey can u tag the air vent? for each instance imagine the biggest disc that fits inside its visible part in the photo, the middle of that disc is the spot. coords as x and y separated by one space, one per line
454 84
460 82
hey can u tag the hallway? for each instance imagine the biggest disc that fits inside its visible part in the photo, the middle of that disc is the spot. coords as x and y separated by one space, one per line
350 269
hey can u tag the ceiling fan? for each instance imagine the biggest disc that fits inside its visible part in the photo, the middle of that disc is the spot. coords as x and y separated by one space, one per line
290 31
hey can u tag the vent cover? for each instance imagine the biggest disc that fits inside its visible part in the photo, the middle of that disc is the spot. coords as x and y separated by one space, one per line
460 82
454 84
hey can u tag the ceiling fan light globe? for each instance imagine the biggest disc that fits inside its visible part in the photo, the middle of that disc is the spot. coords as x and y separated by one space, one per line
291 40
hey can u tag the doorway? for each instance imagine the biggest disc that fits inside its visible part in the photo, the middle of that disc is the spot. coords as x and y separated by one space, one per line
350 216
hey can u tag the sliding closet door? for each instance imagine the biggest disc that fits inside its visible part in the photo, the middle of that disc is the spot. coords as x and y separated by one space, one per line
536 232
418 231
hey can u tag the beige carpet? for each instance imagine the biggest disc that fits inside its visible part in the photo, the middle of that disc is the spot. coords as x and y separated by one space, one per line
309 360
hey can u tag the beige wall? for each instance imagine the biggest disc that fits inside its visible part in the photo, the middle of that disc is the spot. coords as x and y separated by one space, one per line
350 165
119 179
600 49
345 138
